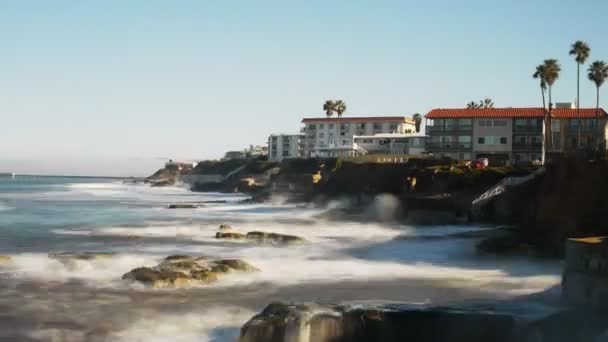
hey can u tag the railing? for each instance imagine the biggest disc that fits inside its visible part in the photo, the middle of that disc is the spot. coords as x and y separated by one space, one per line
527 146
583 129
456 128
449 146
528 129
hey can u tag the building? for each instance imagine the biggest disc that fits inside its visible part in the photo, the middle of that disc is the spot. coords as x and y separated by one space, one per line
231 155
512 134
326 137
180 166
390 143
282 146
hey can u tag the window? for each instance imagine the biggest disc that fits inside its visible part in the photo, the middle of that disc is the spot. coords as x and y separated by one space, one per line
377 126
534 122
274 139
466 156
331 126
500 123
535 139
520 123
465 123
464 141
274 153
393 127
574 123
519 139
311 127
285 153
321 135
361 125
503 140
450 123
555 125
321 126
485 123
481 140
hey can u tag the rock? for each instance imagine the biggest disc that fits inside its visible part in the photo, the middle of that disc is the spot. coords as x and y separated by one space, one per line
501 322
274 237
585 277
238 265
230 235
183 206
5 259
184 271
225 228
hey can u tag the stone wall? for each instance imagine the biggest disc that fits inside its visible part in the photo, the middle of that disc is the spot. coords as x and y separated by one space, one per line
585 278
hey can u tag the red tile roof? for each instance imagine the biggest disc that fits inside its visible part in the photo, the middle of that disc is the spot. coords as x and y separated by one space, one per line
567 113
360 119
564 113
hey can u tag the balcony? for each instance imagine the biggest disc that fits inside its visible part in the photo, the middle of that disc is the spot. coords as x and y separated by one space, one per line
527 129
450 129
583 129
527 146
449 146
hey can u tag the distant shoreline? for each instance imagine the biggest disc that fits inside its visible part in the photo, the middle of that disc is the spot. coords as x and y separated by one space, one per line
71 176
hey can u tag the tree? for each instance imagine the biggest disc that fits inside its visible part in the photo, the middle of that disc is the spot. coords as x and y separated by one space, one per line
329 107
472 105
340 107
485 103
598 72
580 50
417 121
541 74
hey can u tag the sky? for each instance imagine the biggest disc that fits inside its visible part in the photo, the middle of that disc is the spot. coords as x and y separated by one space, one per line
115 87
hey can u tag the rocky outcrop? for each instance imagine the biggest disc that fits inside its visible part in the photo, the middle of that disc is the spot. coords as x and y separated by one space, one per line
183 206
274 238
224 227
5 259
230 236
178 271
285 322
585 277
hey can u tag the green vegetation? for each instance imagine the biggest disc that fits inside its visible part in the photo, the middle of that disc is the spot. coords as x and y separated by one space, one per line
598 72
580 50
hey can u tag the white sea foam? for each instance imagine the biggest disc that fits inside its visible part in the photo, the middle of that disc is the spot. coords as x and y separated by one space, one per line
5 207
215 324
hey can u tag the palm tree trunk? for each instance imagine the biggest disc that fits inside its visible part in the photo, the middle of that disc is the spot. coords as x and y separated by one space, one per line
578 102
544 155
549 130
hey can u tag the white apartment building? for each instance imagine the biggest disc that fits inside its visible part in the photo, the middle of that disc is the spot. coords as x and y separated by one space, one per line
285 145
325 137
391 143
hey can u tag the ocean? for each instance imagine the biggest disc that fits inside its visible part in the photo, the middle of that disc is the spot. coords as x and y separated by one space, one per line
46 299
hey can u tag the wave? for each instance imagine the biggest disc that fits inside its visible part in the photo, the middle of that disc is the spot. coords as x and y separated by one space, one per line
5 207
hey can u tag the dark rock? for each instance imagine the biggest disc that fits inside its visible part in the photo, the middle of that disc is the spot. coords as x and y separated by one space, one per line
183 206
225 227
274 237
284 322
230 235
184 271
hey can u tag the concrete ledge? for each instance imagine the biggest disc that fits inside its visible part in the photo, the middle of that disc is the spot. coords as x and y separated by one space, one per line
585 277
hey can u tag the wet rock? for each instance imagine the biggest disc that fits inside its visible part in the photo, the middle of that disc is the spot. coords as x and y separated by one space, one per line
184 271
5 259
274 237
311 322
225 227
183 206
585 277
230 235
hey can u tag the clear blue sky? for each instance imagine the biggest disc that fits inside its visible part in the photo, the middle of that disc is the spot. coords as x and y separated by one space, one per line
109 87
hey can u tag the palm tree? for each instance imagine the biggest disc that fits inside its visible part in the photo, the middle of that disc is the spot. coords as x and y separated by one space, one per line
580 50
329 107
417 121
486 103
598 72
472 105
340 108
541 74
